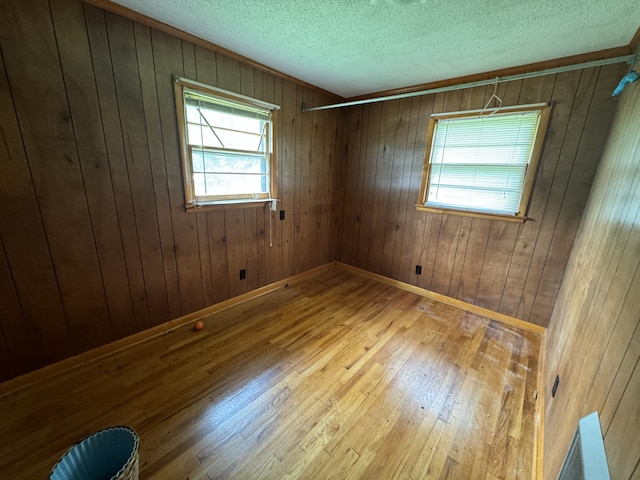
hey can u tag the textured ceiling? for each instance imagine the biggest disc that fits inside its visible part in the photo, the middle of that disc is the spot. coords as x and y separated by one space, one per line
355 47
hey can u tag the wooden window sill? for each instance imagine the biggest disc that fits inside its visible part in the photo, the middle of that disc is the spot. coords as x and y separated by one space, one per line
227 204
470 213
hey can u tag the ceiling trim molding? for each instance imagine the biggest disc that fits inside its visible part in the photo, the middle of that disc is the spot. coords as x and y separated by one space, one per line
125 12
506 72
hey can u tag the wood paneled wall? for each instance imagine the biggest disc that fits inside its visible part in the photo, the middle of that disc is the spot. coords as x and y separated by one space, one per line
506 267
594 336
95 243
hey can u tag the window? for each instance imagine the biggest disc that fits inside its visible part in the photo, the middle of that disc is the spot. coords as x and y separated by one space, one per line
226 142
483 164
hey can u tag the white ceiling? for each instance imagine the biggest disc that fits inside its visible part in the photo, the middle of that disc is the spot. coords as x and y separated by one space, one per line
355 47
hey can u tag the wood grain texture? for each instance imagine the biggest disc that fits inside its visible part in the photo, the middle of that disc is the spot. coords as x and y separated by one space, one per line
515 269
39 91
96 241
594 334
335 375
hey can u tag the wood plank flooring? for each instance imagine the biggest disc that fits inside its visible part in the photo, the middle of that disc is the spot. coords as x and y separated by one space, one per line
333 376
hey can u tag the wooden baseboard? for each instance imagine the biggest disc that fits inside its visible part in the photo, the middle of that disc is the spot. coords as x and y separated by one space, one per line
132 340
454 302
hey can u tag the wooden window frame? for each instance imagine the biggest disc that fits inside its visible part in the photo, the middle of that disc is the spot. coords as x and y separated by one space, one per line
194 202
534 158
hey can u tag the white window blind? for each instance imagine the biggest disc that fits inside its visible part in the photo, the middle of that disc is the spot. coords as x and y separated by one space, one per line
480 163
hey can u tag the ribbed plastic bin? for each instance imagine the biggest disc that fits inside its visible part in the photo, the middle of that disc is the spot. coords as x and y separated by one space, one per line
110 454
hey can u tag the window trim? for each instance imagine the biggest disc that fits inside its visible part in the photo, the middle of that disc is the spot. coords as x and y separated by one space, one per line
536 151
223 201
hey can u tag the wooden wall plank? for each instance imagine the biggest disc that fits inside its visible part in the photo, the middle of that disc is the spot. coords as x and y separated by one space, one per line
288 164
347 230
16 350
110 116
304 132
411 241
370 165
411 110
326 228
474 254
327 235
234 223
339 168
218 255
26 248
7 367
379 205
461 253
495 265
315 189
445 253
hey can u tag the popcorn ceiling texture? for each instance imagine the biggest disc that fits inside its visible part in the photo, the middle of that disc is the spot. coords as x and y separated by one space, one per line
354 47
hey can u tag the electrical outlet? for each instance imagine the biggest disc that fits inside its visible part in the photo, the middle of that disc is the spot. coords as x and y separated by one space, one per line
281 214
243 274
554 389
418 269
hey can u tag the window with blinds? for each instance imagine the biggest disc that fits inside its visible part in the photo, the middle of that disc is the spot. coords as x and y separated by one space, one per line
483 163
227 145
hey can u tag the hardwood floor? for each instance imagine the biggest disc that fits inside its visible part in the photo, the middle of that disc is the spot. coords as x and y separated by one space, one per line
333 376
